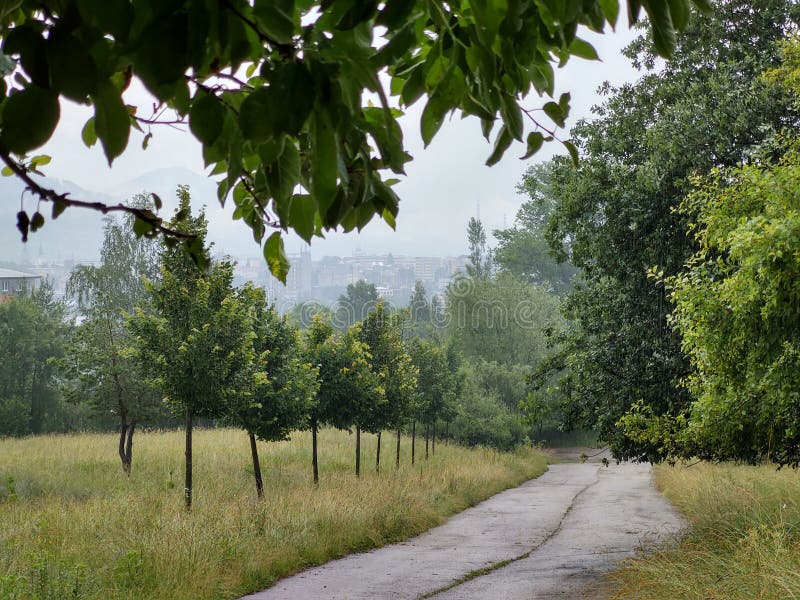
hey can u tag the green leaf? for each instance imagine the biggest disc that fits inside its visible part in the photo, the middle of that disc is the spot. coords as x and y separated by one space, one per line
276 18
284 174
325 154
23 224
303 215
88 134
555 112
387 216
432 117
141 227
7 171
58 208
663 29
37 221
679 11
40 160
27 41
72 69
501 144
156 200
535 141
270 150
29 119
275 256
395 13
112 121
610 10
110 16
206 118
162 56
414 86
583 49
573 152
512 116
282 107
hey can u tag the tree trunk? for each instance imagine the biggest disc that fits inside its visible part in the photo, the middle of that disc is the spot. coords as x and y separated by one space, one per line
413 440
256 465
433 439
378 455
314 463
123 433
127 463
358 451
427 438
187 488
447 431
397 455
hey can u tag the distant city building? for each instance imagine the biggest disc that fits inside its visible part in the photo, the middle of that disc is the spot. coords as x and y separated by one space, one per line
12 282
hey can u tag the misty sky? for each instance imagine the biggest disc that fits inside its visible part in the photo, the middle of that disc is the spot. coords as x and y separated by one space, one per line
443 185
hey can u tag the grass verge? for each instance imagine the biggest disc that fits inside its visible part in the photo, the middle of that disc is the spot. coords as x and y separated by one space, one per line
743 543
73 526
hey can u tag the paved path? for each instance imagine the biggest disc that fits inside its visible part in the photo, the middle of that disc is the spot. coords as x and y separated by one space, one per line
561 531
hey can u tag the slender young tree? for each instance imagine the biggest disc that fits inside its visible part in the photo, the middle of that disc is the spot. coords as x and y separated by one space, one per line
392 366
98 364
346 383
435 383
195 338
277 387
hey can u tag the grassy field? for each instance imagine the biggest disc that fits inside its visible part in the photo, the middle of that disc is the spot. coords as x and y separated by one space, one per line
73 526
744 542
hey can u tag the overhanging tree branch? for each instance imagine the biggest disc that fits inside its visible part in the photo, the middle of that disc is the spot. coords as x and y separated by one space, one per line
62 201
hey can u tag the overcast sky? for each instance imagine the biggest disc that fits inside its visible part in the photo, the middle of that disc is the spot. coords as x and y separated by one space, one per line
444 183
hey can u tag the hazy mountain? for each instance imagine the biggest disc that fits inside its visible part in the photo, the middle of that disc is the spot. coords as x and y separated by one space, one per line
76 234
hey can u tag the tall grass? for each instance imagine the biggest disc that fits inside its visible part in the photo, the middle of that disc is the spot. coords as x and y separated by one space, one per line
744 539
73 526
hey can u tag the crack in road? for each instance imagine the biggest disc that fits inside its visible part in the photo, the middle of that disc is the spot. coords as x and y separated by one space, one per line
503 563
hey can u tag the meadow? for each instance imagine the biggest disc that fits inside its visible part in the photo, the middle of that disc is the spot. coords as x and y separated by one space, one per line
743 543
72 525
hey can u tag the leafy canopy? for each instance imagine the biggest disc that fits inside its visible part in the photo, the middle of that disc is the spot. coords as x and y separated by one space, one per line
287 97
615 214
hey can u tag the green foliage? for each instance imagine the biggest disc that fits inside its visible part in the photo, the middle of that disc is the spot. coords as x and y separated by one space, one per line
99 366
523 250
708 107
303 313
33 331
193 339
347 384
501 319
736 311
277 388
354 306
480 260
437 382
275 92
393 370
481 418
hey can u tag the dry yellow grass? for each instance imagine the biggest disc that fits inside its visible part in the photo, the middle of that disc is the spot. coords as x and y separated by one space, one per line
743 543
72 526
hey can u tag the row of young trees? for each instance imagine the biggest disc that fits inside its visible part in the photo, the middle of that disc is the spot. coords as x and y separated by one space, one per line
157 328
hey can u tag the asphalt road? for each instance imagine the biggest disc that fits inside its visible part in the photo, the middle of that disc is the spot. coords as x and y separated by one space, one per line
552 537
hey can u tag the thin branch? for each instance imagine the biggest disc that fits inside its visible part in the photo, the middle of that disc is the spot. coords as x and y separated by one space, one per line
235 79
527 112
159 122
285 50
49 195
